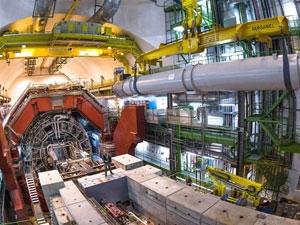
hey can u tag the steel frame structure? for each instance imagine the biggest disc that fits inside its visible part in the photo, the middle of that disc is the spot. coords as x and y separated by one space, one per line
48 129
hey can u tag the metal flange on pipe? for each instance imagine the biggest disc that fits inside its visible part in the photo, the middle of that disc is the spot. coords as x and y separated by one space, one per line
261 73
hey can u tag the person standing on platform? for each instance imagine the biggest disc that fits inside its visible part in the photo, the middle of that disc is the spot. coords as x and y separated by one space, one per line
107 163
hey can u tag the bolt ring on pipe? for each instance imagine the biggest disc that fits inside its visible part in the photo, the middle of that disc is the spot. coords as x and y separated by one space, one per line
286 68
123 83
135 87
192 79
183 80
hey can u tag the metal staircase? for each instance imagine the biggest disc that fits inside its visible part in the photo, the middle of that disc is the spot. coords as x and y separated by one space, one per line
38 213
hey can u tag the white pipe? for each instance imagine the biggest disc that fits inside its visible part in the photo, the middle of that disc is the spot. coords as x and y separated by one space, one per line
262 73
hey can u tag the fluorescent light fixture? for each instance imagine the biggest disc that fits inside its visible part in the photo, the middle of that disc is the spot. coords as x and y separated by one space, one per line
179 29
1 55
23 54
90 52
23 46
109 48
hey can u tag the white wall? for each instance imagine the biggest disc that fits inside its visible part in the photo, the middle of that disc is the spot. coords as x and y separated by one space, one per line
143 19
12 10
22 82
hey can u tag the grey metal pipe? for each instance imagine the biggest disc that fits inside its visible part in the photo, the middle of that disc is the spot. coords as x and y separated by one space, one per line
262 73
106 12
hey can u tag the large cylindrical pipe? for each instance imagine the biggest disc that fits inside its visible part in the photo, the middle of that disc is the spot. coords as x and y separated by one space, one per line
106 12
262 73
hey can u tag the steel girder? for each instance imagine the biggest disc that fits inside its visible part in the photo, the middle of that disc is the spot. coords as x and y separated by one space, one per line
83 45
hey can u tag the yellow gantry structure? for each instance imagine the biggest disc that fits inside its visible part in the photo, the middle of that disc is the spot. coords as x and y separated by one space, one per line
193 18
249 189
261 30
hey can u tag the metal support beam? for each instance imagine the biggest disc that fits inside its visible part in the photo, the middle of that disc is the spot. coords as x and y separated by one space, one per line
57 64
172 156
297 4
241 133
170 101
30 64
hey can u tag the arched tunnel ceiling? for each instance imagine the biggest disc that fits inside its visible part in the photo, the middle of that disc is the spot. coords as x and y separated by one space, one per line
12 76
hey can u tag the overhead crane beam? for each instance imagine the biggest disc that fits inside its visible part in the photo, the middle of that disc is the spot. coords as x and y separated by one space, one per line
57 51
260 30
39 45
56 63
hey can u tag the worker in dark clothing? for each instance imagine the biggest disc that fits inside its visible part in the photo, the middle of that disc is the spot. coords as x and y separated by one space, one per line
107 163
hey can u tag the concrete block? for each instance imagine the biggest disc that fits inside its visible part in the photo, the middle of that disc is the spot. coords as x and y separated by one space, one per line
57 202
134 179
62 216
112 188
117 171
84 213
51 182
154 211
174 219
71 195
159 188
127 162
70 183
59 212
224 213
267 219
190 204
152 169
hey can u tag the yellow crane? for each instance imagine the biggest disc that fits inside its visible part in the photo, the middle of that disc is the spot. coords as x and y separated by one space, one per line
243 188
194 41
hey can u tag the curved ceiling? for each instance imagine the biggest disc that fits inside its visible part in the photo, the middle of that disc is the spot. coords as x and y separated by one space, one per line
13 77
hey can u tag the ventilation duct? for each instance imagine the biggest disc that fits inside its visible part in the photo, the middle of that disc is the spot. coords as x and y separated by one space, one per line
106 11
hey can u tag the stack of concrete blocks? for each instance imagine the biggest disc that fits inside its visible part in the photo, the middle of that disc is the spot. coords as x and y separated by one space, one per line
112 188
51 182
225 213
154 197
267 219
134 179
186 206
127 162
60 215
81 210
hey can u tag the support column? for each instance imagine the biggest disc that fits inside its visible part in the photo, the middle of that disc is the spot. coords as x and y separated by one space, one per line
297 5
217 7
241 133
172 154
170 101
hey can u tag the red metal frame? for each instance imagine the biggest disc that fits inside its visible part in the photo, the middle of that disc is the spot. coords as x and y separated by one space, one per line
130 129
44 104
19 126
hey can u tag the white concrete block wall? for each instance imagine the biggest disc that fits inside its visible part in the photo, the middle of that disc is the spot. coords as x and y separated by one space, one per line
51 182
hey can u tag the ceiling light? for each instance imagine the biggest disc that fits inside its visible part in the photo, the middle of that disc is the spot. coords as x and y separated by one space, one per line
23 46
23 54
89 52
109 48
